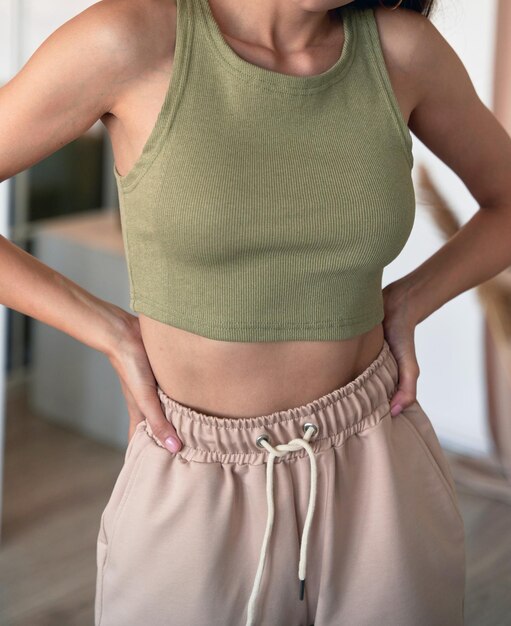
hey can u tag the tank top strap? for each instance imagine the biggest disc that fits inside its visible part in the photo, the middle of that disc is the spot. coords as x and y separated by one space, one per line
374 70
182 49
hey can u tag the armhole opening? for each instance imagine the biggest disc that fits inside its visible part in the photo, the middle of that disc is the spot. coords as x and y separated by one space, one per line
158 134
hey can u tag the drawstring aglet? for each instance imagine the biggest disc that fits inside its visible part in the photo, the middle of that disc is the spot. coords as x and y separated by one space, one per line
302 588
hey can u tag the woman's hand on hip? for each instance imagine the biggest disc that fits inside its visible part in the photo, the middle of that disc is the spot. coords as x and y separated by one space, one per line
129 359
399 328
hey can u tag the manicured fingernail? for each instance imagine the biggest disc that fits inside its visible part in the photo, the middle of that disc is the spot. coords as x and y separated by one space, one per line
172 444
394 410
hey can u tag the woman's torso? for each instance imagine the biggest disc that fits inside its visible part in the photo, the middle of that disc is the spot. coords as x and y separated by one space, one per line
227 378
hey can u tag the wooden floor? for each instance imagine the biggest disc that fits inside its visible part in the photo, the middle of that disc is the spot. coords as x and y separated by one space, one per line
57 484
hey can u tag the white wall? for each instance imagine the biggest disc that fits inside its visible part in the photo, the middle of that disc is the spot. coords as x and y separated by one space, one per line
6 42
451 386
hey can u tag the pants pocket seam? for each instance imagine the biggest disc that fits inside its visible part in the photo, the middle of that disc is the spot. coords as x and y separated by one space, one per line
115 524
433 463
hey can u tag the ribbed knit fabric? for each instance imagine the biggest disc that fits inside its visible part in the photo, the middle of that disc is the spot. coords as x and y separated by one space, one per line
264 206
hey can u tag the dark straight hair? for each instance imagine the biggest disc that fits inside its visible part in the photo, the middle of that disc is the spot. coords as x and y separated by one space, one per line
420 6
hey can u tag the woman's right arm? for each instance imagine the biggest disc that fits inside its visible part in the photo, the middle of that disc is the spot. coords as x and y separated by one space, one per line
74 79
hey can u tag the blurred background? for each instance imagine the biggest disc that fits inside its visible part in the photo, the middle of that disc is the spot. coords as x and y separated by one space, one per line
63 427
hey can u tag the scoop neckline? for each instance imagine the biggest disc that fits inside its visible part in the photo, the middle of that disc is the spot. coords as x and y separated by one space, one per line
276 79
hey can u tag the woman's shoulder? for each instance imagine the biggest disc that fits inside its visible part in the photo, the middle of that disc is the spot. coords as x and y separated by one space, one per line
134 33
409 38
136 38
401 33
412 46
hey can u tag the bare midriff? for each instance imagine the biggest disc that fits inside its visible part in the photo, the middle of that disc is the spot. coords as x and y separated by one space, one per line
235 379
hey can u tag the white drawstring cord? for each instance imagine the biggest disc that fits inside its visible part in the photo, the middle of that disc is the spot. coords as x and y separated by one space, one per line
281 450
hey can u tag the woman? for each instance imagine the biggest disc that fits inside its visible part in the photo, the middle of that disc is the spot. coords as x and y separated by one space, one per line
263 159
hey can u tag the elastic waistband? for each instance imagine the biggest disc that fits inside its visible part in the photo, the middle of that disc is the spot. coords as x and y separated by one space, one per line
361 403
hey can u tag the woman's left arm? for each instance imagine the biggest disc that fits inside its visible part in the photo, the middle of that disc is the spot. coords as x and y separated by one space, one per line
452 121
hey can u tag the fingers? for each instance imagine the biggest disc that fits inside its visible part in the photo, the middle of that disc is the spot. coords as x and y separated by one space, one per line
161 428
141 392
148 408
406 392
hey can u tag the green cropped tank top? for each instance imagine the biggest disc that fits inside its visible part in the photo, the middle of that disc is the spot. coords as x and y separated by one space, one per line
264 206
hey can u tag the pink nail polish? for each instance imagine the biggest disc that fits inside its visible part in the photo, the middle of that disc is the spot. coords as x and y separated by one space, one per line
172 444
394 410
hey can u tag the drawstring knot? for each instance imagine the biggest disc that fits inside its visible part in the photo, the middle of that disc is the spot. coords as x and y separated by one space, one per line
278 451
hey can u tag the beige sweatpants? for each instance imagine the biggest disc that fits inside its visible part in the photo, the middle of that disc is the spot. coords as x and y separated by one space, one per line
353 520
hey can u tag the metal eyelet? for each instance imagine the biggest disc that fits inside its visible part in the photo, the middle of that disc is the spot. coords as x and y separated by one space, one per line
308 425
261 438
